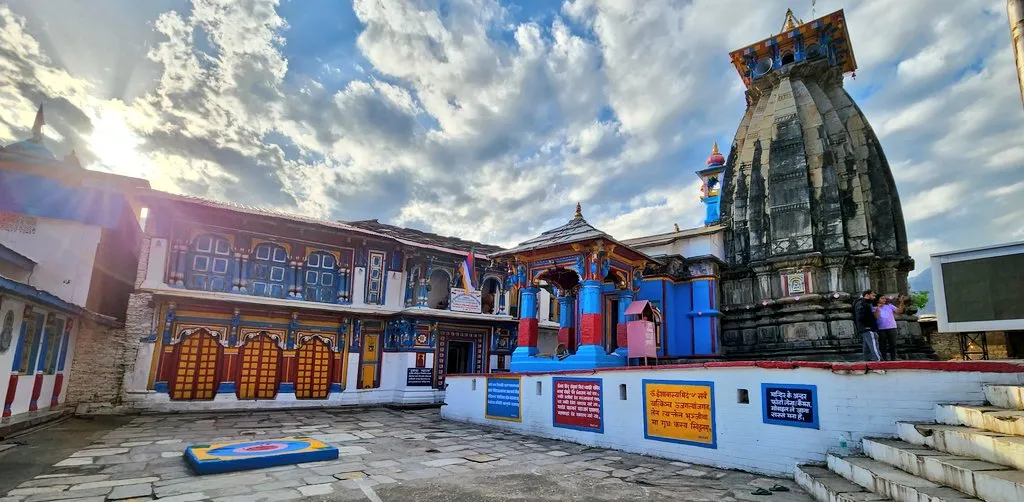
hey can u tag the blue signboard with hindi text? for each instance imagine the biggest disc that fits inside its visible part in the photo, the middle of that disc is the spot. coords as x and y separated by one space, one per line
790 404
504 398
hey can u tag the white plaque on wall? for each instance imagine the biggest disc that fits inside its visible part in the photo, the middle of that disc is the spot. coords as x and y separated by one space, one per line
466 301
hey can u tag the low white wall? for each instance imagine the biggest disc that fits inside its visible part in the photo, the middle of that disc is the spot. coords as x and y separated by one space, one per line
851 405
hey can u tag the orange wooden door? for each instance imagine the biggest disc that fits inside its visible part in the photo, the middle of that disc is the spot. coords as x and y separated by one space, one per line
259 369
314 370
195 377
370 364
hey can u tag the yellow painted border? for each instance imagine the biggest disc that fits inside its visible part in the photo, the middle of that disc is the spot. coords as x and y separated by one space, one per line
256 242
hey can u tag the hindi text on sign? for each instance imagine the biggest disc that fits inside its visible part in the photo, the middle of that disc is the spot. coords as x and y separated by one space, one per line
577 403
679 411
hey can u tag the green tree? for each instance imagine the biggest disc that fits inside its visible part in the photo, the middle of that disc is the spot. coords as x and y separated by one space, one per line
919 299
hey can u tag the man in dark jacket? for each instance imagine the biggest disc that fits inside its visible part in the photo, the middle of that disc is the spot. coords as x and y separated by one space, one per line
866 325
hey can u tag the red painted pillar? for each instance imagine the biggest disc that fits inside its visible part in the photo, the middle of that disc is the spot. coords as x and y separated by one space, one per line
58 382
12 389
37 388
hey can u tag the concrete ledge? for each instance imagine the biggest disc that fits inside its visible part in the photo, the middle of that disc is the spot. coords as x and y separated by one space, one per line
985 480
158 402
966 441
1014 366
1010 397
826 486
23 421
891 482
989 418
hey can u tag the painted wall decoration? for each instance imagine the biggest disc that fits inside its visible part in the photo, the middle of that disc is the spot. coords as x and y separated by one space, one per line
680 411
466 301
504 398
225 457
789 404
7 331
375 281
419 377
577 403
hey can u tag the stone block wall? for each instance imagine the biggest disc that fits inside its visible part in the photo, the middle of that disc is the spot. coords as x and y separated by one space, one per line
98 366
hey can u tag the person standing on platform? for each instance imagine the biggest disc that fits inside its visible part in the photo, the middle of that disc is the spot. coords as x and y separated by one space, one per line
866 324
885 315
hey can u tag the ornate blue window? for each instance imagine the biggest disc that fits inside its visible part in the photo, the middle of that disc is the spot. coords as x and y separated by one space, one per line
321 283
269 271
210 265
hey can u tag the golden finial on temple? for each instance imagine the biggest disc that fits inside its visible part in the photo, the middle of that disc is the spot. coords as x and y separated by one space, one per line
579 211
714 149
791 21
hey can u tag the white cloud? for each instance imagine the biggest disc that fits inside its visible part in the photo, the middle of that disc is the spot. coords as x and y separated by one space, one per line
467 120
933 202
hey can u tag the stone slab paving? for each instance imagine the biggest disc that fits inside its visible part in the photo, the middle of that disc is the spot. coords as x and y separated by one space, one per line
386 455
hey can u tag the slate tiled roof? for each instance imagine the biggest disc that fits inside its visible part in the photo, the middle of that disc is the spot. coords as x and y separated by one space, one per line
575 231
368 227
426 238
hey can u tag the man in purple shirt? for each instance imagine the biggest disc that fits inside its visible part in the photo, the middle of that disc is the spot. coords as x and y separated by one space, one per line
885 313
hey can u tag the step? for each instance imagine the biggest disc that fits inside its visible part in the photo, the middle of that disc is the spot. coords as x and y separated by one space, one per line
826 486
966 441
985 480
990 418
891 482
1010 397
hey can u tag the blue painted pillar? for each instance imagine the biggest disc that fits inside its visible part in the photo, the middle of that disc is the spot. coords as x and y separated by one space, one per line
501 301
566 322
621 340
705 316
590 318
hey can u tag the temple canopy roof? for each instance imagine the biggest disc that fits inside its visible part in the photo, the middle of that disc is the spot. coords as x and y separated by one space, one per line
576 231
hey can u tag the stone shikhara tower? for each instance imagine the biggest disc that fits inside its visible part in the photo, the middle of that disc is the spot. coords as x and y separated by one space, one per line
810 208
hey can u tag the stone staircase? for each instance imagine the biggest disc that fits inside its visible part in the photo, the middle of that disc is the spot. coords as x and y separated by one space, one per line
971 453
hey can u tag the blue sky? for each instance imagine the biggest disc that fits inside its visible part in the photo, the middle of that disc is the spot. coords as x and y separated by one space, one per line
489 119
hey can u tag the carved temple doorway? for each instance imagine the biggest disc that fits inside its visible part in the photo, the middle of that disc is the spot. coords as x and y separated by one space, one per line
313 376
198 357
260 368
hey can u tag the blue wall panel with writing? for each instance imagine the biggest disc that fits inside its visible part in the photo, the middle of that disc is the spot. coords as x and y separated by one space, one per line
504 398
790 404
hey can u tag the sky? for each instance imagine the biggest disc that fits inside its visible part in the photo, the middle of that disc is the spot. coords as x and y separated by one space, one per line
490 119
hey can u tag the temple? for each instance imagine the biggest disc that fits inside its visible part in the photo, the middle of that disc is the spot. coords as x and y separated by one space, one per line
810 210
219 303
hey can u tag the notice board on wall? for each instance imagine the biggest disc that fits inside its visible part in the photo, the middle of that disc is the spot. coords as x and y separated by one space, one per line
790 404
504 398
680 411
577 404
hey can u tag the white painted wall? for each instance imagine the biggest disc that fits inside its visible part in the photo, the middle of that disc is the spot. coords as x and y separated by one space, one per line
697 245
23 394
850 405
17 307
394 294
64 252
359 285
159 253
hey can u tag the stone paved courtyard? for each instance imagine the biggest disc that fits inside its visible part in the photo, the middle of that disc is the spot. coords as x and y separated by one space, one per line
386 455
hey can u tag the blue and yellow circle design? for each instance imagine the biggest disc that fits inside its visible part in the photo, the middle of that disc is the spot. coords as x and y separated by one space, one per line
224 457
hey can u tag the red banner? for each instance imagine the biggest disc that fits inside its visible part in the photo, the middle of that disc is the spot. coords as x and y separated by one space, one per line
577 404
